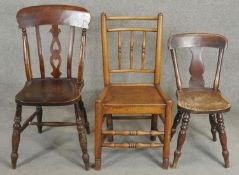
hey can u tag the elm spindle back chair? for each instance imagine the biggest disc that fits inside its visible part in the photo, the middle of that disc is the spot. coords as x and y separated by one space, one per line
132 98
197 98
55 91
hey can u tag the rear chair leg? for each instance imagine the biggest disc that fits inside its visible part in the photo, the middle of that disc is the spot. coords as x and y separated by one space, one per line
16 135
109 123
176 121
167 134
223 139
82 108
181 138
98 134
212 119
154 125
82 136
39 119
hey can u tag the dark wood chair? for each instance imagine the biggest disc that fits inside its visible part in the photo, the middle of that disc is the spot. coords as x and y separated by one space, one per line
56 90
197 98
132 98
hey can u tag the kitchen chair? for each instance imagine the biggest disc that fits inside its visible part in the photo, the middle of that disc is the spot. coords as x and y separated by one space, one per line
132 98
197 98
56 90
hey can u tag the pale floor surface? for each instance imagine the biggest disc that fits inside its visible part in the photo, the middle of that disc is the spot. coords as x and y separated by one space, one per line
56 151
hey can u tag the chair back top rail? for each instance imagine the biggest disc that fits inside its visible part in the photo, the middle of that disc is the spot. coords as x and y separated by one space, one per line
53 15
132 17
197 40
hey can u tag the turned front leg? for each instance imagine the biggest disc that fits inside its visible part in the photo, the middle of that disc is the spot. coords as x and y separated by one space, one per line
223 139
16 135
82 137
181 138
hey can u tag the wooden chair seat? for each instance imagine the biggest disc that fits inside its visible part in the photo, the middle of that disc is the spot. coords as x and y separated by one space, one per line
202 100
118 99
49 92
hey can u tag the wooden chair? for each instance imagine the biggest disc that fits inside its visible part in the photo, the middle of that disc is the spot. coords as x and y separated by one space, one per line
55 91
132 98
197 98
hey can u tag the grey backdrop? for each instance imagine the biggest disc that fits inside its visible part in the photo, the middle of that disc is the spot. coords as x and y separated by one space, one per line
179 16
219 16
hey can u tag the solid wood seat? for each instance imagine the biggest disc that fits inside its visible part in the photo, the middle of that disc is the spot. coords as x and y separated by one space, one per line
44 90
132 101
132 95
196 98
50 91
202 100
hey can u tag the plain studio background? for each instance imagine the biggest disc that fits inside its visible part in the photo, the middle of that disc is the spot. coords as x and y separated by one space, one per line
57 151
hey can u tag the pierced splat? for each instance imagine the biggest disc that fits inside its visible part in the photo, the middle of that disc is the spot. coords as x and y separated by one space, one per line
196 68
55 58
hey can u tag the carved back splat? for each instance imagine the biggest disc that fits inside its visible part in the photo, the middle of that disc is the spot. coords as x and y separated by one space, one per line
196 68
55 58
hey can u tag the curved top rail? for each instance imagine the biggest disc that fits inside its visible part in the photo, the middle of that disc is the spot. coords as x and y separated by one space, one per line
197 40
53 15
